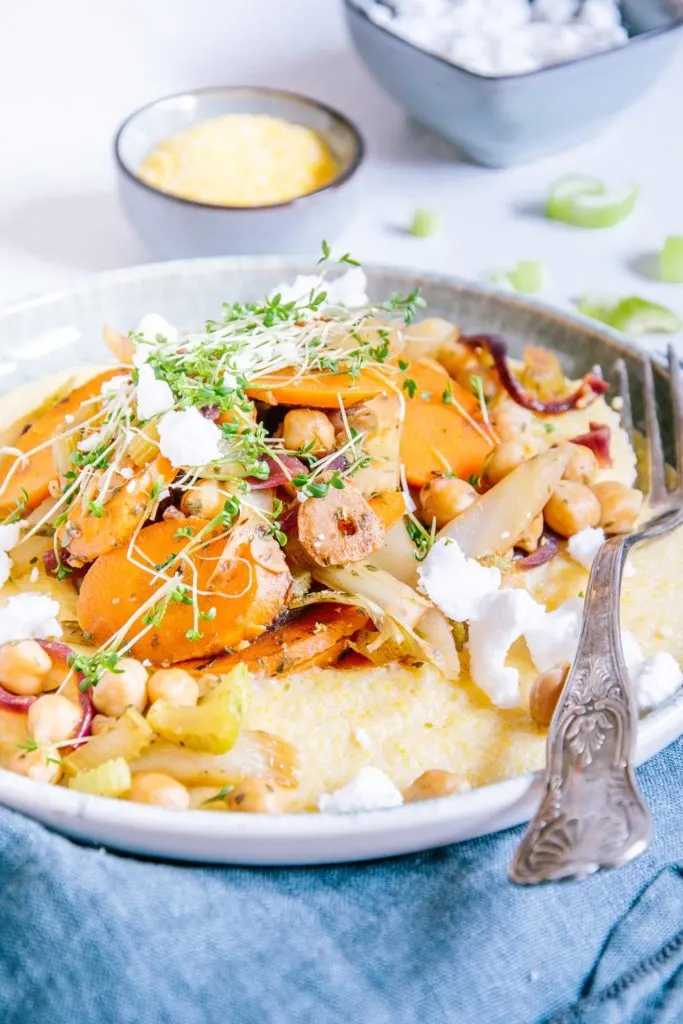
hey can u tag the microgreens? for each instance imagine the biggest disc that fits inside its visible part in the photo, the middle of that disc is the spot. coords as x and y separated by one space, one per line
93 666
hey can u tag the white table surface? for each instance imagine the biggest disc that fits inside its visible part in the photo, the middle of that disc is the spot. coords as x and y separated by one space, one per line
71 71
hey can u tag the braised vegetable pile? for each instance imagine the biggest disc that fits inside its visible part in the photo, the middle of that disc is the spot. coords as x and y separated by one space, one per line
264 498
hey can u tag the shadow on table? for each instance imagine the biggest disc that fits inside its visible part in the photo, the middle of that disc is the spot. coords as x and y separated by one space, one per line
86 232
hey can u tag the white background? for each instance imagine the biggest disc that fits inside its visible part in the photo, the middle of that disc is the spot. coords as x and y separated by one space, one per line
70 71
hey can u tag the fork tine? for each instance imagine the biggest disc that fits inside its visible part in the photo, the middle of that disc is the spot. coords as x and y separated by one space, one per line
626 411
676 378
658 493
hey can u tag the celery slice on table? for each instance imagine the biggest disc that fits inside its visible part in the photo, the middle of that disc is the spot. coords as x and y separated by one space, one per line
112 778
671 260
126 738
425 223
214 724
632 315
587 202
528 277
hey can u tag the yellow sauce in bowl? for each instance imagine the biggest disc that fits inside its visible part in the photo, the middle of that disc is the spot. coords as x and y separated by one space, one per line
241 160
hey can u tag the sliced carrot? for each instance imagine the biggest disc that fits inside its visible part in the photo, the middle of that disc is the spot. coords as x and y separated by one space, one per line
353 660
389 506
313 640
318 390
88 536
246 579
442 429
33 474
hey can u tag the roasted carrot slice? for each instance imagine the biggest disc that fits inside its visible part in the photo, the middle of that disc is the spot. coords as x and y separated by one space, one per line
389 506
87 536
315 639
244 578
318 390
353 660
30 480
442 429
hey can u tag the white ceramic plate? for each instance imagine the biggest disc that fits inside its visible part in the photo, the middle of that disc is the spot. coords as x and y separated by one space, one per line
187 293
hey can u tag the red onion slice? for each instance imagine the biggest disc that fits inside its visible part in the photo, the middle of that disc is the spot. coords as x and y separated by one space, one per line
590 388
51 563
13 702
547 549
598 440
282 470
288 519
88 709
339 462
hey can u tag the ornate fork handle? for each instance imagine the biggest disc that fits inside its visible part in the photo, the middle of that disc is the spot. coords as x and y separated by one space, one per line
592 814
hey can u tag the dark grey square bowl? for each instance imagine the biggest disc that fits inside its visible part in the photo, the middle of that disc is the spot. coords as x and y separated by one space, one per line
517 118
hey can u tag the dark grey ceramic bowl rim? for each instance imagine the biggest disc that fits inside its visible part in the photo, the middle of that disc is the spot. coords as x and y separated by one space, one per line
258 90
352 6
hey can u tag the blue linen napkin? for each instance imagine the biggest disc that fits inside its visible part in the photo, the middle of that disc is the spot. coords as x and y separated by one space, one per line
90 937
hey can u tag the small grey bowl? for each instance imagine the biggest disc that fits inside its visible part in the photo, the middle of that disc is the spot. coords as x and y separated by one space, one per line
517 118
172 227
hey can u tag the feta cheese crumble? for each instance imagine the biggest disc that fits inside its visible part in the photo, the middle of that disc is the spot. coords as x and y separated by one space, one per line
584 545
349 289
9 538
153 396
555 638
109 387
150 327
466 591
501 618
29 617
456 584
369 790
658 679
153 324
187 438
503 37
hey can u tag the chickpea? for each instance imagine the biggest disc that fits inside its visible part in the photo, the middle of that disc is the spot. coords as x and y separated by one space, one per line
304 427
203 499
582 467
433 783
444 497
39 765
159 790
512 422
23 667
53 718
572 507
118 690
255 796
174 685
545 693
529 540
101 723
620 506
505 457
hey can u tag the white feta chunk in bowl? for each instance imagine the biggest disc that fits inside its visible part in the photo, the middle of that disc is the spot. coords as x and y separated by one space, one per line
370 790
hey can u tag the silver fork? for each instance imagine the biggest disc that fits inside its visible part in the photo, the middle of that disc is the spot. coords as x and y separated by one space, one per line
592 814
